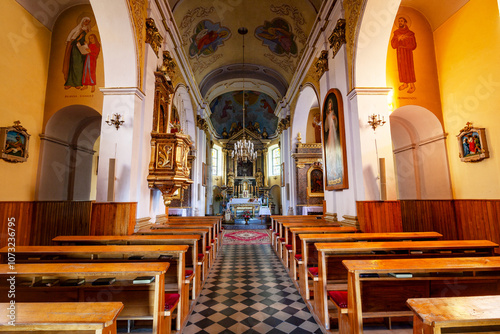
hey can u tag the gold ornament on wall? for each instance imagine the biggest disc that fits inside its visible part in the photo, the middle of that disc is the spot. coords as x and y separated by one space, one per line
321 64
153 36
337 38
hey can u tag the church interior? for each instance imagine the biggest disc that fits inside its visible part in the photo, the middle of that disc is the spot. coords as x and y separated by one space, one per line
198 118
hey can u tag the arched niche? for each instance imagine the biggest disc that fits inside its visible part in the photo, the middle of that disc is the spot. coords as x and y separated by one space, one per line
307 100
67 155
420 154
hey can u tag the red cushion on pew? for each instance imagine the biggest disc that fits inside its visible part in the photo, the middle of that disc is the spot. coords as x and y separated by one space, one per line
209 248
171 299
212 241
187 273
298 257
200 256
289 247
338 297
282 239
313 271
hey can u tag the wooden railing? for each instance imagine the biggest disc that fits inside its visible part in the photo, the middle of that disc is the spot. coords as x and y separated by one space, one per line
454 219
36 223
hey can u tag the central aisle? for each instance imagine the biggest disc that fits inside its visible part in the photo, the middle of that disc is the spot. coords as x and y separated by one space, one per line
249 291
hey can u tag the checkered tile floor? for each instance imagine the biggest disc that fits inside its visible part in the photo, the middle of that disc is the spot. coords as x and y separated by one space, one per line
249 291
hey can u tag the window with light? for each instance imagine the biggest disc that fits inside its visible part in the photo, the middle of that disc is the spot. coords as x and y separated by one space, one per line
215 162
276 159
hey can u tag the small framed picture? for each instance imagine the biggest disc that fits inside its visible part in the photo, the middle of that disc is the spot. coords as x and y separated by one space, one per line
282 174
315 185
204 174
15 143
472 144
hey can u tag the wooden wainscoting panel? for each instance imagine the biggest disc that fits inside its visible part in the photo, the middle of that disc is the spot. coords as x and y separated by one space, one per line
379 216
113 218
429 216
54 218
21 214
478 219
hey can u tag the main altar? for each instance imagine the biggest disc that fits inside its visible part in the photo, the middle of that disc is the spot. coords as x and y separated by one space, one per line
240 205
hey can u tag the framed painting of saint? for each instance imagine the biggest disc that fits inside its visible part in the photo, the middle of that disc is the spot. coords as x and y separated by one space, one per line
15 143
472 144
334 148
315 182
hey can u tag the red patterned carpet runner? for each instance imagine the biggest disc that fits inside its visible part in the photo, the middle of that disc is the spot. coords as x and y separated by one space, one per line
246 237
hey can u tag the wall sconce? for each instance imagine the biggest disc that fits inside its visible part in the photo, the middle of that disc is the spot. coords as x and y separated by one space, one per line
375 121
115 120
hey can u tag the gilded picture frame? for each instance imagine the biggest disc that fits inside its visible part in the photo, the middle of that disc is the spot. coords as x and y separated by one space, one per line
333 138
315 182
15 143
472 144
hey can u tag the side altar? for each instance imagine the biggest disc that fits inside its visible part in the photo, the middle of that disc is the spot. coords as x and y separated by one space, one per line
240 205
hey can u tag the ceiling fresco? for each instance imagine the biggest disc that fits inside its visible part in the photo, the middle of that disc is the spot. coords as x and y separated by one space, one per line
227 115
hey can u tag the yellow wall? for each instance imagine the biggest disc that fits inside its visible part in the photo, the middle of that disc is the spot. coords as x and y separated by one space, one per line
427 88
467 51
24 59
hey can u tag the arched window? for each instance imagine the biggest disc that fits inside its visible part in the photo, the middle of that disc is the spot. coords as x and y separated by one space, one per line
215 162
276 161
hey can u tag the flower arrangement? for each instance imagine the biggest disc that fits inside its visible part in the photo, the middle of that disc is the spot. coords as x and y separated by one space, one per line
247 214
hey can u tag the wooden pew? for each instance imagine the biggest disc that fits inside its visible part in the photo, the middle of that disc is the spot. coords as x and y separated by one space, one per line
194 241
331 255
276 219
216 222
431 277
213 240
282 238
174 278
141 301
478 314
203 255
309 254
99 318
292 242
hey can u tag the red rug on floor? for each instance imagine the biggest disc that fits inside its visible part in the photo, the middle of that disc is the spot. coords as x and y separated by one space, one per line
246 237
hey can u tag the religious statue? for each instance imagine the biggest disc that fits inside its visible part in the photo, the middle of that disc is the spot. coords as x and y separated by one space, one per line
259 178
317 128
230 180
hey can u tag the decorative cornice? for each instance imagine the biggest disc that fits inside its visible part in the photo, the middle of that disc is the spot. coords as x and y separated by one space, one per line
66 144
123 91
337 38
309 145
153 36
321 65
368 91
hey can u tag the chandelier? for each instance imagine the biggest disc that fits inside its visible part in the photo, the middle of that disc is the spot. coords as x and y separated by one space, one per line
243 148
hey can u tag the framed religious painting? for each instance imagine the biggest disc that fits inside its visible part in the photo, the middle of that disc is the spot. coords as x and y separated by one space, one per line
472 144
282 174
333 136
204 174
315 181
15 143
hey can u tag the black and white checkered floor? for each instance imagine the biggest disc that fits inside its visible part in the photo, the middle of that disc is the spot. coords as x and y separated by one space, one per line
249 291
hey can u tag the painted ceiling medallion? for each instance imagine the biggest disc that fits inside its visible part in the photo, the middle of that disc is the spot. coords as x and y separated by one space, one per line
207 38
277 35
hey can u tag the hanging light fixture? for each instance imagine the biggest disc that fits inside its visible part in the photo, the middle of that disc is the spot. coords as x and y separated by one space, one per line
243 148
